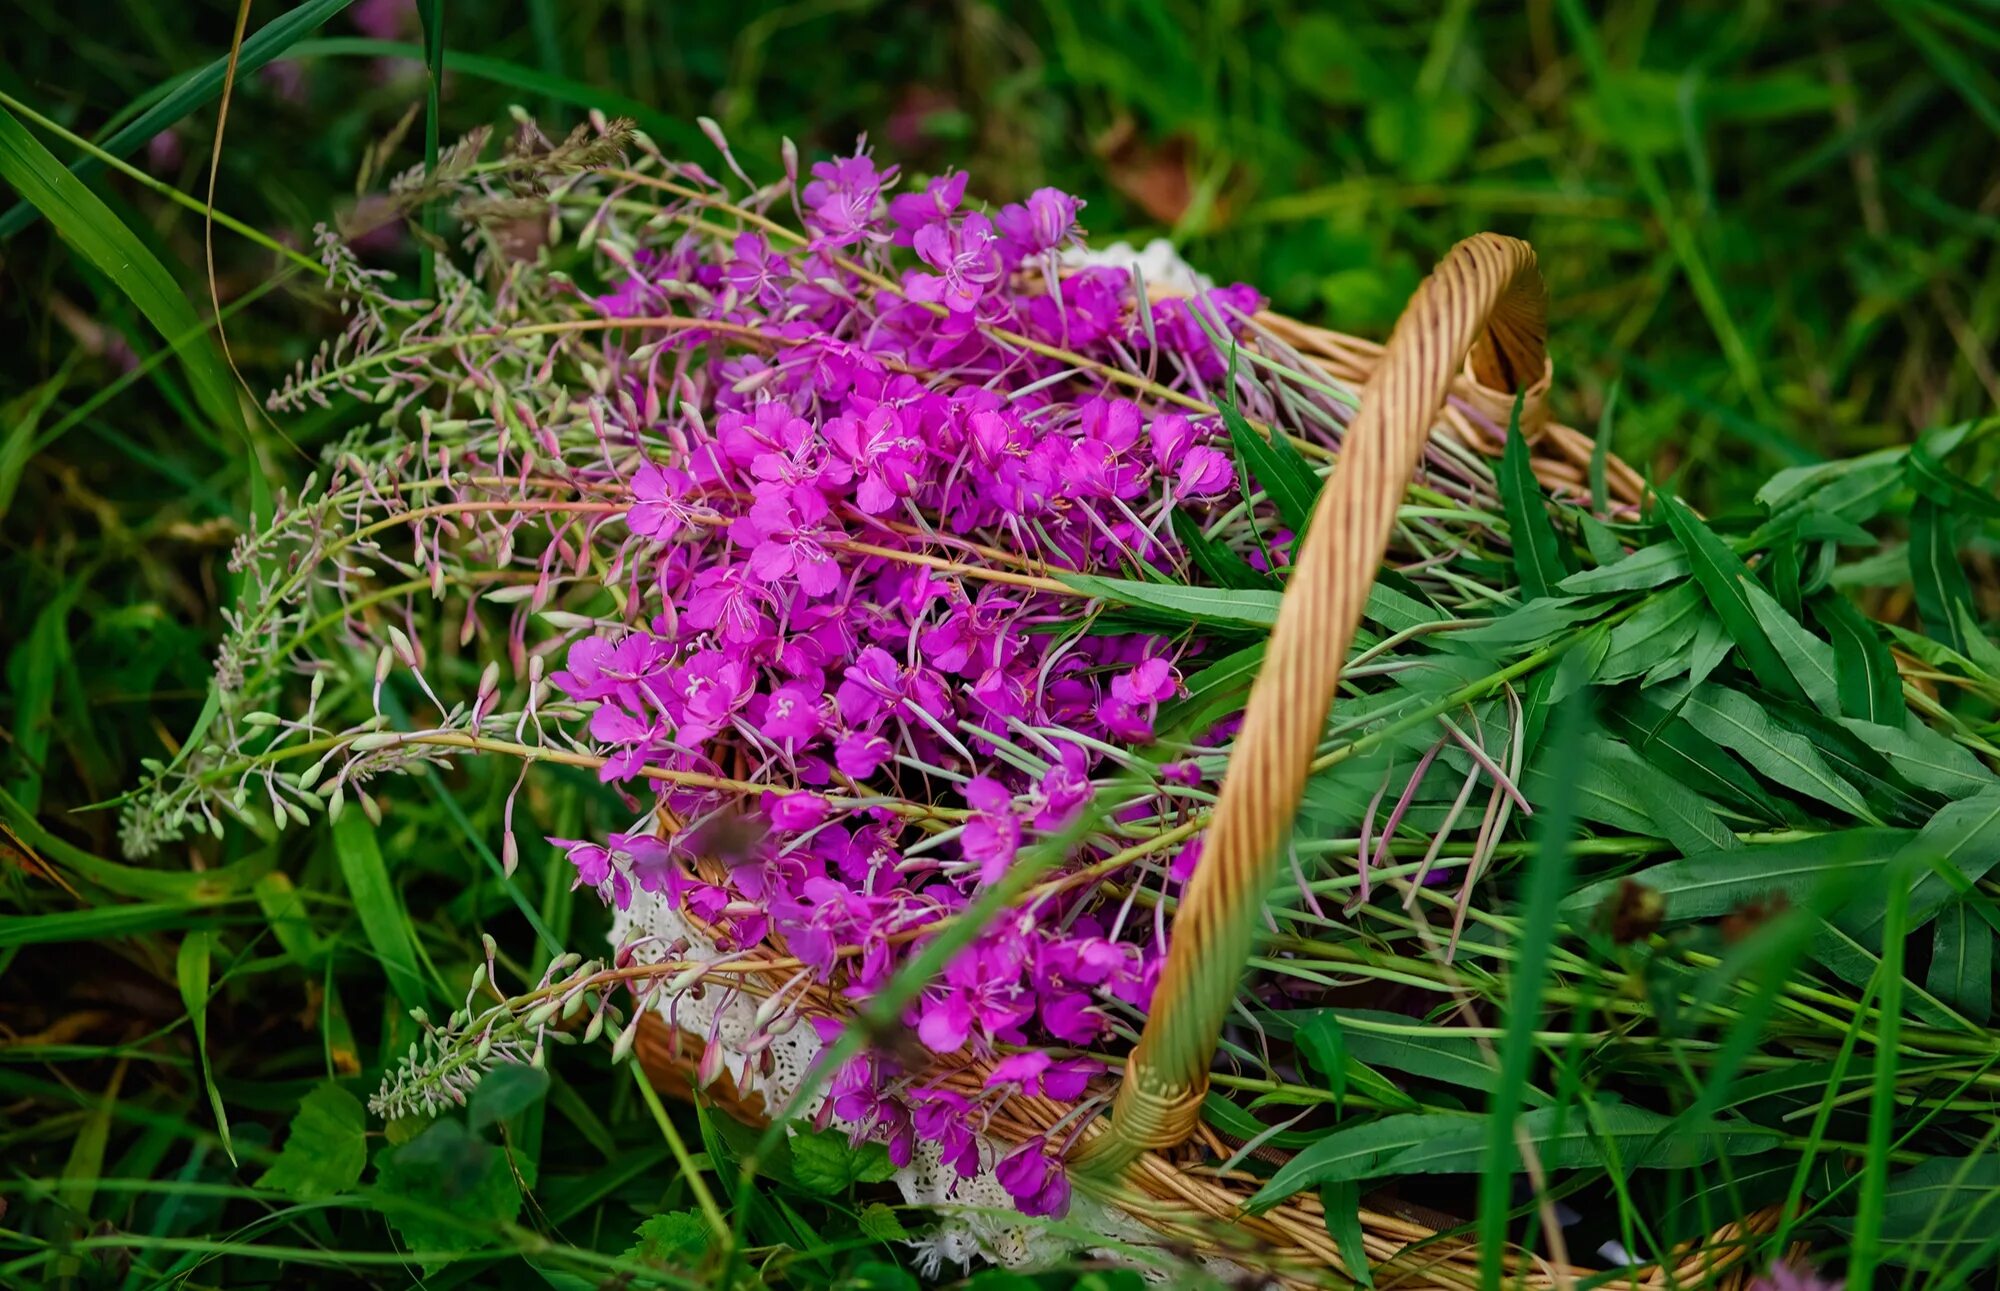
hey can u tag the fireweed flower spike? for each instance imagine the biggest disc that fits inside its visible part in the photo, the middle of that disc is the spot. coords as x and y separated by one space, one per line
767 527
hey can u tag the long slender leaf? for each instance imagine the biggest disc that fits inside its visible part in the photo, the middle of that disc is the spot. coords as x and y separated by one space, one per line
1738 723
1961 971
191 972
1866 678
1562 1138
1715 883
1538 549
82 220
377 904
1278 470
192 92
1809 660
1936 576
1725 580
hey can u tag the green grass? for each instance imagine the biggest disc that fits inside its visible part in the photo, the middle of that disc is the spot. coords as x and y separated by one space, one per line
1771 229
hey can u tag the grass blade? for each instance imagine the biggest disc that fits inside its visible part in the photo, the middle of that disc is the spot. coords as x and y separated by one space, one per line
192 93
83 220
1547 880
1538 549
1865 671
1724 579
1936 576
380 908
191 972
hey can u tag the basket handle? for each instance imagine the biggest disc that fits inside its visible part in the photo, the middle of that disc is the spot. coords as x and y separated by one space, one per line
1485 299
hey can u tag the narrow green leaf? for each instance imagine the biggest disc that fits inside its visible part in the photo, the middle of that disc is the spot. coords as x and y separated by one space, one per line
1938 579
1658 632
1217 560
82 220
1868 684
1341 1203
1538 549
1925 758
1240 607
1277 468
1563 1139
1964 836
1808 660
1687 756
1725 580
1401 1043
326 1148
191 970
1714 883
1642 571
1599 541
1711 646
185 94
379 907
1739 724
1678 812
1961 972
1600 453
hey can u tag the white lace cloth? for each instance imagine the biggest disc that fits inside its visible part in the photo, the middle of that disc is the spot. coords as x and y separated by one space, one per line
973 1211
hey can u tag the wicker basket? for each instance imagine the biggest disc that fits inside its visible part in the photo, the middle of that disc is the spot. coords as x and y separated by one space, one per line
1473 335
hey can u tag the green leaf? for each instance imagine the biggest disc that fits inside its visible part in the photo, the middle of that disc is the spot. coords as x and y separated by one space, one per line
1937 577
1711 646
82 220
1961 972
506 1092
671 1239
1601 795
1868 684
1562 1138
1943 1209
1642 571
1964 836
1599 541
1738 723
1931 478
191 970
1241 608
1217 560
1402 1043
1538 548
1715 883
824 1162
1924 757
1689 757
1656 633
1278 469
1808 660
1600 453
455 1191
326 1148
1341 1203
1725 580
379 907
185 94
1678 812
882 1223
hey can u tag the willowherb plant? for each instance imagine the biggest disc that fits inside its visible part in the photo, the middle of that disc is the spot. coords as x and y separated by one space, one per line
811 515
859 538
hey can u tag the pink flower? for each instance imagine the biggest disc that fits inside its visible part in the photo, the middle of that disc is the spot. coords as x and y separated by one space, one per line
795 813
657 509
1034 1179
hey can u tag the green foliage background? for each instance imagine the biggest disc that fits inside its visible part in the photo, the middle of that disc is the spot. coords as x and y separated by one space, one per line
1775 225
